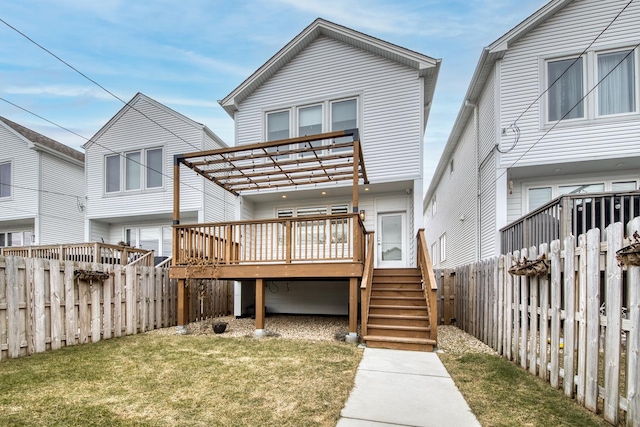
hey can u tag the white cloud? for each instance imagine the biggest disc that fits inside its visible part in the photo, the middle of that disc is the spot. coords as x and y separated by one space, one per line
67 91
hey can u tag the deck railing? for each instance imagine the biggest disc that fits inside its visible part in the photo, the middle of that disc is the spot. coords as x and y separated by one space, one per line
83 252
429 284
573 214
284 240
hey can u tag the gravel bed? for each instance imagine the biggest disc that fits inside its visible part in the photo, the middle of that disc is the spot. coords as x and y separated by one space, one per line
451 339
315 328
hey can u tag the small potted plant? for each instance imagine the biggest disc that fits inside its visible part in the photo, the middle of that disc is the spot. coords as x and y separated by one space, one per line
219 327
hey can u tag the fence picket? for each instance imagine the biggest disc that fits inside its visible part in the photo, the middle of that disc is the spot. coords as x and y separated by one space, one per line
543 370
593 319
28 300
55 284
582 319
118 274
556 270
40 333
13 307
633 337
613 301
570 290
70 304
552 325
95 288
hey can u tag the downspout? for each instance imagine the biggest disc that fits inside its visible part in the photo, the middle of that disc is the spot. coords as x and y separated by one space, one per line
476 132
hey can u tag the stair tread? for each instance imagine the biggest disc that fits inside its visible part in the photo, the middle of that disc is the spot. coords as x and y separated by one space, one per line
399 339
397 316
400 327
399 307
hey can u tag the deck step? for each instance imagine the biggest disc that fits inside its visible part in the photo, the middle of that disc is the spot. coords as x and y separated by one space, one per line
400 343
399 331
398 310
397 300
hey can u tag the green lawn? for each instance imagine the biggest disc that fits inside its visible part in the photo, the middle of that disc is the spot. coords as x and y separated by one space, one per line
159 380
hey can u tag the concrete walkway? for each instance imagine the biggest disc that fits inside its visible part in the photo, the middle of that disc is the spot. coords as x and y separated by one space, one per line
404 388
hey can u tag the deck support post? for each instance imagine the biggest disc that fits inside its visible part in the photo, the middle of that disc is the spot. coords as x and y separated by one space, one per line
352 337
259 308
183 306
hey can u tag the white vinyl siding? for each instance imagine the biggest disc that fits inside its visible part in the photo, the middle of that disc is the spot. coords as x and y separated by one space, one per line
128 131
388 94
62 217
565 35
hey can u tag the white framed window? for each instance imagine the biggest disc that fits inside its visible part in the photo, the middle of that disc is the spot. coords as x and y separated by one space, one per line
598 85
565 82
443 247
539 195
15 238
134 170
434 206
310 123
315 231
5 179
434 257
152 237
312 119
617 91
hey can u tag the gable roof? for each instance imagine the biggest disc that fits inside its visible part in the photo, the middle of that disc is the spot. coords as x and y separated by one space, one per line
424 65
488 57
131 105
43 142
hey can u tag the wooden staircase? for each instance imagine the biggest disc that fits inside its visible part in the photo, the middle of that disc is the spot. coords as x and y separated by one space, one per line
398 316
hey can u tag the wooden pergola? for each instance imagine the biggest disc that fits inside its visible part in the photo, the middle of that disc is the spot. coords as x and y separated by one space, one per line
267 166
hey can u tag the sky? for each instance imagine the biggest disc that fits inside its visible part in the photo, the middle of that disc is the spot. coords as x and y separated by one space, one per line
189 54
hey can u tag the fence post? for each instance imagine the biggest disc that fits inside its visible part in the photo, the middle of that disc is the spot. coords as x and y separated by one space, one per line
593 319
633 337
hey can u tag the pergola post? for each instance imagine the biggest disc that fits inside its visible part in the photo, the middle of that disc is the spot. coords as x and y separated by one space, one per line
356 176
259 308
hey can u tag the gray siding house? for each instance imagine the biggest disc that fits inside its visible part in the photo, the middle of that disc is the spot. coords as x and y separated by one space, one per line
129 171
331 78
42 196
553 108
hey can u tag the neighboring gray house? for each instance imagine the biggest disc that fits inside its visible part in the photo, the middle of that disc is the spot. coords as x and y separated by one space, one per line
42 195
330 78
520 140
129 177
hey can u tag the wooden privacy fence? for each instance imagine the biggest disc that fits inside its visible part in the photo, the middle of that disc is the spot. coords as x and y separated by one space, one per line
48 304
573 319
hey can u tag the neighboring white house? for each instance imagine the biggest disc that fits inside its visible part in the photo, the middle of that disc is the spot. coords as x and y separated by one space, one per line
129 170
518 141
330 78
42 195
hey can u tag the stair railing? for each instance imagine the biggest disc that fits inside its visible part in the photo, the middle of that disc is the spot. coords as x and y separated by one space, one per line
365 284
429 284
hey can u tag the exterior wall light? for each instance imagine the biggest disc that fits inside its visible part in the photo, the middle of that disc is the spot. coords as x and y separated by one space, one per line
362 215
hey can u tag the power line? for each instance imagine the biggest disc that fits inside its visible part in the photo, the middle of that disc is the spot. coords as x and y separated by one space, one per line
567 113
223 199
94 82
574 61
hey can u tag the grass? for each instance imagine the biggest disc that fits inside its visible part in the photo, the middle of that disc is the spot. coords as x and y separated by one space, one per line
502 394
157 380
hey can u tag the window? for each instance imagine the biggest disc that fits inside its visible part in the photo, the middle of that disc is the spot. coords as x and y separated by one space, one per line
616 92
580 189
15 238
278 128
434 206
565 95
132 171
310 123
451 166
538 197
434 258
135 170
154 168
314 231
344 116
595 85
443 247
624 186
304 120
5 180
155 238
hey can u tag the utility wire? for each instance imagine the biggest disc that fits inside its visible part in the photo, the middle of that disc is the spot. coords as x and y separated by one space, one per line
95 82
567 113
574 61
223 199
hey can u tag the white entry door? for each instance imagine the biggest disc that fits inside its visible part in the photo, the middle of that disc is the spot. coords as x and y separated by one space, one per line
391 240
